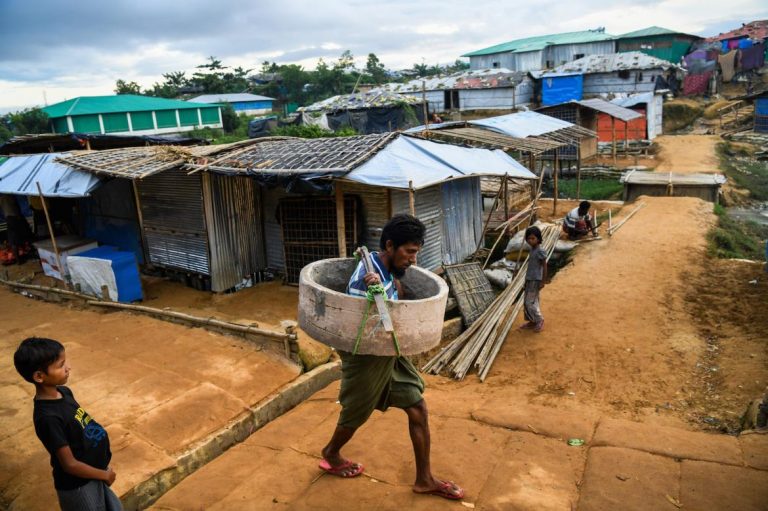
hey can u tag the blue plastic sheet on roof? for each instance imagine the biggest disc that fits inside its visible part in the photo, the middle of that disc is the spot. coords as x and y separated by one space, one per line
523 124
19 175
423 163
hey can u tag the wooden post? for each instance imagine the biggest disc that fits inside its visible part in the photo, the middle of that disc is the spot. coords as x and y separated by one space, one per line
140 217
578 171
411 198
50 232
626 139
389 203
555 170
610 219
613 139
341 230
506 198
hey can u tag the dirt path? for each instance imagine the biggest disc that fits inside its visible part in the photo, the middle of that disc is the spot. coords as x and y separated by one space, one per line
686 154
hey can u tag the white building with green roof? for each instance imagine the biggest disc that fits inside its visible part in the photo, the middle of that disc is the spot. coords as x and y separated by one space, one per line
128 114
542 52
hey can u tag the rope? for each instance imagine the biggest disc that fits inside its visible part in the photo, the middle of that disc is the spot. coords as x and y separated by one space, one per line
370 295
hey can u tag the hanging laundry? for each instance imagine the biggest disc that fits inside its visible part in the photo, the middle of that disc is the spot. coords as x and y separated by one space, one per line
733 44
696 84
728 64
752 58
745 43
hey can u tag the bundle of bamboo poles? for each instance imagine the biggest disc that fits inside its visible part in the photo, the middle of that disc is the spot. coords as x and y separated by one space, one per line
480 343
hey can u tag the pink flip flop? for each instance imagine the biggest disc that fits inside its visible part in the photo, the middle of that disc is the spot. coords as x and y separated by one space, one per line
341 470
445 490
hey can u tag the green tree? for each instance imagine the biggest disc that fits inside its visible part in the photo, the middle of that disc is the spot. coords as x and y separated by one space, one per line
29 121
230 121
123 87
375 69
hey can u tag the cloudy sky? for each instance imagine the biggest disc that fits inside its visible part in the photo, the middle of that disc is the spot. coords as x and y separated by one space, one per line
51 50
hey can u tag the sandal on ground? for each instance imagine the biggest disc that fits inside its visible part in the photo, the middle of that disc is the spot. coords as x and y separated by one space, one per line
447 489
527 325
345 470
539 326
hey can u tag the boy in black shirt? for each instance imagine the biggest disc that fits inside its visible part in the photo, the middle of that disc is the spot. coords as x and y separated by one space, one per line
78 445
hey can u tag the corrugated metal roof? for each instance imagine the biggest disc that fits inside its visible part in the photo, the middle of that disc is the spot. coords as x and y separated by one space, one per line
523 124
612 109
634 99
631 60
112 104
645 177
475 79
542 41
371 99
229 98
653 31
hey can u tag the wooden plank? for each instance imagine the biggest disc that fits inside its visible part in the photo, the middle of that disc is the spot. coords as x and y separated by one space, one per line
340 221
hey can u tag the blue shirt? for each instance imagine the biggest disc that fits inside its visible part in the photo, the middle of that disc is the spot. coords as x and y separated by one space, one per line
357 287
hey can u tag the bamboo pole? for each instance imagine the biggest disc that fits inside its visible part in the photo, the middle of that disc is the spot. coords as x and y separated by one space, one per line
613 139
50 232
481 241
341 229
616 227
556 170
411 198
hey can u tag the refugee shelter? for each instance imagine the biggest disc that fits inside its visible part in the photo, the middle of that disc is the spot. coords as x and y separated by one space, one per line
241 103
661 43
224 216
604 75
651 105
754 32
611 122
128 114
479 89
542 52
668 184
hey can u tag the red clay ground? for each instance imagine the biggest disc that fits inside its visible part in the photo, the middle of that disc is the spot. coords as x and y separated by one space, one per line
156 387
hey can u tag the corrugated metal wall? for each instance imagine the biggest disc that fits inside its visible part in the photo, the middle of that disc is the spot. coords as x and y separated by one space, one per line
607 83
429 205
233 216
564 53
375 211
174 223
501 98
507 60
462 218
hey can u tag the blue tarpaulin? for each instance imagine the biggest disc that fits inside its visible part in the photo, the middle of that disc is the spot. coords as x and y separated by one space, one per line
559 89
423 163
19 175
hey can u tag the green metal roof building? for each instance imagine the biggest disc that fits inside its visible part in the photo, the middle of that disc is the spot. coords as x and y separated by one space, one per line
130 114
542 52
658 42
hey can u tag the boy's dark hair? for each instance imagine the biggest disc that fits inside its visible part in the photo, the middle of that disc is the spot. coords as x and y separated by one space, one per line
401 229
584 206
535 231
36 354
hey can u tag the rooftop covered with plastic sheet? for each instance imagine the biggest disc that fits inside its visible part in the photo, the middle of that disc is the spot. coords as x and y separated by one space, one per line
662 178
409 162
612 62
533 124
229 98
20 175
375 98
612 109
474 136
472 79
634 99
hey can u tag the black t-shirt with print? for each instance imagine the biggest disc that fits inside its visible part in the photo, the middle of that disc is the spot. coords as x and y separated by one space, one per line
61 422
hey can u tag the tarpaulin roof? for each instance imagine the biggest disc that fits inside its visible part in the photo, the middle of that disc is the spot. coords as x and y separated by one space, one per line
229 98
408 161
19 175
523 124
612 62
374 98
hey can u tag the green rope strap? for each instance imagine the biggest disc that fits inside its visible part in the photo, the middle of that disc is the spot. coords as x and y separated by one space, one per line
370 294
